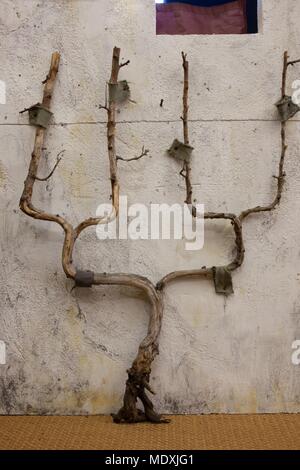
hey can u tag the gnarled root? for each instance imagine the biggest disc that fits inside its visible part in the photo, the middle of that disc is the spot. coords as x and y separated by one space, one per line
135 388
139 373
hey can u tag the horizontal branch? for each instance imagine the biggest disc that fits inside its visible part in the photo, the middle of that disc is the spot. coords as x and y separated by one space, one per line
204 272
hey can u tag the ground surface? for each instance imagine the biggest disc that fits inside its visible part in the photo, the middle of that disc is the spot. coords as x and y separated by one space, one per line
184 432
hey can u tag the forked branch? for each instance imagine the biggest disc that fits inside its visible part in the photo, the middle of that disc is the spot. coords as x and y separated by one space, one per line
236 221
138 381
139 373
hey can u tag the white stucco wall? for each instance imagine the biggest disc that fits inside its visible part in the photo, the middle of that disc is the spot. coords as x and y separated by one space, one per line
67 352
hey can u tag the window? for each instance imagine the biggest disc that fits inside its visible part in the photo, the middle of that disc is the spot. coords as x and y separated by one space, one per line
206 17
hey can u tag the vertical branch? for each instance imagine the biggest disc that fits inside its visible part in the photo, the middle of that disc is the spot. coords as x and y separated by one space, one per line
49 84
110 108
111 130
186 166
185 98
139 374
281 174
26 199
284 74
40 131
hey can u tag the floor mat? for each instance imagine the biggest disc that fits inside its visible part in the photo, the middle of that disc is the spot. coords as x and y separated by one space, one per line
280 431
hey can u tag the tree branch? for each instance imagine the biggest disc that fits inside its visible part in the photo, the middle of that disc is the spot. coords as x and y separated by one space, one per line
100 106
186 166
111 130
139 373
26 199
293 62
284 74
205 272
281 174
143 154
58 159
185 97
111 148
123 64
185 173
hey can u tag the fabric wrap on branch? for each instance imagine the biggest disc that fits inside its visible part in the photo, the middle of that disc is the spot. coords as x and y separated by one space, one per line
222 280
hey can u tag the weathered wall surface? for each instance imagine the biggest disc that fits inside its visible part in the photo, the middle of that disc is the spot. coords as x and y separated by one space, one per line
67 352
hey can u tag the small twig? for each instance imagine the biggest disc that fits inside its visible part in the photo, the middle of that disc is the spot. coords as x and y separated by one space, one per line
24 110
46 79
182 171
143 154
284 74
101 106
123 64
28 109
58 159
161 103
293 62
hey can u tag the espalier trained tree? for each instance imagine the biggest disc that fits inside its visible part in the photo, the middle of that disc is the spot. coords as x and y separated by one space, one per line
138 382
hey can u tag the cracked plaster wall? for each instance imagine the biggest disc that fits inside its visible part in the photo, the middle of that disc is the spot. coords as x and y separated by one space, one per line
67 353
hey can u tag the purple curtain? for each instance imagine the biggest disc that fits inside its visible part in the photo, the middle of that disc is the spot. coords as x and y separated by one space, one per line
202 17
